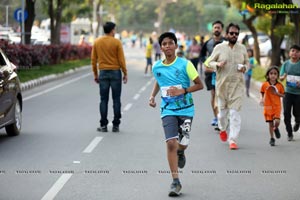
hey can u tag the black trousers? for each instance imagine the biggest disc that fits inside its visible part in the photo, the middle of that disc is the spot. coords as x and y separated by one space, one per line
291 104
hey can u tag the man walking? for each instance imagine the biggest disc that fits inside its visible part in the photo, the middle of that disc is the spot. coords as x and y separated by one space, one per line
108 57
230 60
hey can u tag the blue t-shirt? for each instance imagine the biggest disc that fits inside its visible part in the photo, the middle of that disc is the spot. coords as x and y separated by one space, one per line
292 70
252 63
177 74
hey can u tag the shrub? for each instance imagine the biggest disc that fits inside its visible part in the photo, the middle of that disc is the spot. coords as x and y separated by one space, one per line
28 56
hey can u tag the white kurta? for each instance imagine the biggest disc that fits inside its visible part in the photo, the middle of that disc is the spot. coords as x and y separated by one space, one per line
230 86
229 81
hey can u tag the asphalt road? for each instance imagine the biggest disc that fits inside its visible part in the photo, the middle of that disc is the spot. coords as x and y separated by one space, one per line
60 155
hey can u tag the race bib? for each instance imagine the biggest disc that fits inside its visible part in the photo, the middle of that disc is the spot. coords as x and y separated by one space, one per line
169 99
292 80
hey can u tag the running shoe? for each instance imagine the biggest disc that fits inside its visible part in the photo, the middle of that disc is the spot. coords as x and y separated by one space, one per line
277 133
233 146
214 122
102 129
223 136
296 127
181 159
115 129
272 142
175 189
290 136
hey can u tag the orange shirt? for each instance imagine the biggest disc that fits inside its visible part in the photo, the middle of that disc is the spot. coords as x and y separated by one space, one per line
271 101
108 54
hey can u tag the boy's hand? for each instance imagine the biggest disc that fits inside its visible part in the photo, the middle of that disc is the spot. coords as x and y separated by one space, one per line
174 91
152 102
281 78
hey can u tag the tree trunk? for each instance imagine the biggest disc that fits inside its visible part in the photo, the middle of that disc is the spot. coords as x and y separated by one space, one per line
29 22
295 18
51 15
58 22
277 20
161 15
55 21
98 17
249 24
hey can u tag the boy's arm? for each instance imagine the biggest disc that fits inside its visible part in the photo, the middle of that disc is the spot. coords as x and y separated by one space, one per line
174 91
282 73
154 92
198 85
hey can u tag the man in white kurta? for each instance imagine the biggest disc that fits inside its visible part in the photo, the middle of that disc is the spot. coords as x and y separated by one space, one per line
230 61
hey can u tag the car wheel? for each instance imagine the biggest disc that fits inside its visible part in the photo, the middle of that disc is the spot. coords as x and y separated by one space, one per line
15 128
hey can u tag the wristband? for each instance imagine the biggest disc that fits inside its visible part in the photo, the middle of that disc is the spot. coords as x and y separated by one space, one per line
185 91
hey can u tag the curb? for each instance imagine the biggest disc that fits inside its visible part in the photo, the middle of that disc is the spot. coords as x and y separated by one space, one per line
45 79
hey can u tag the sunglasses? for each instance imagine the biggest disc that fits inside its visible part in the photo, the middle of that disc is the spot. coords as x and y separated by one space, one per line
234 33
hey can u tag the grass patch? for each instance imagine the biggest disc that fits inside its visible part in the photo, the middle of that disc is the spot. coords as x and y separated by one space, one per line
34 73
259 73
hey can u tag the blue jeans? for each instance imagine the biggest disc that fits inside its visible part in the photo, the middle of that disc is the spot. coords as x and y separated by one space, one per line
110 79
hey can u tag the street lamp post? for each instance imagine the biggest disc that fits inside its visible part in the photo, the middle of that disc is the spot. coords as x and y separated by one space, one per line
23 22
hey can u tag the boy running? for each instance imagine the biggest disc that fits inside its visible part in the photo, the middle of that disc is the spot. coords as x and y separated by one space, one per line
173 75
290 70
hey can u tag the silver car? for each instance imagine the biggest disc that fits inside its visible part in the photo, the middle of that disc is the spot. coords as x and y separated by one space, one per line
10 97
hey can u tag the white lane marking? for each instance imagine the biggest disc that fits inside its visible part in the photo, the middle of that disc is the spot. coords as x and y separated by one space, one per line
55 87
136 96
127 107
93 144
76 162
254 97
149 82
142 89
58 185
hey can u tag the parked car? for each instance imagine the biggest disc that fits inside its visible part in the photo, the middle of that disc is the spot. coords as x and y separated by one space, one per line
10 97
265 48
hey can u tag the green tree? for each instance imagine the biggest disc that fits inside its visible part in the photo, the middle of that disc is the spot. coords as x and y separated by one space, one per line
274 23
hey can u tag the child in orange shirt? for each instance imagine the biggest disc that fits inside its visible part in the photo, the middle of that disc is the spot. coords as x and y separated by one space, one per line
271 91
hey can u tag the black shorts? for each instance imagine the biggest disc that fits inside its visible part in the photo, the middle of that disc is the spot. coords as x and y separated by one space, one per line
208 81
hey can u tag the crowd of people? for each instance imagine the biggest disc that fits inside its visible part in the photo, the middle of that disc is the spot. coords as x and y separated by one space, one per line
228 69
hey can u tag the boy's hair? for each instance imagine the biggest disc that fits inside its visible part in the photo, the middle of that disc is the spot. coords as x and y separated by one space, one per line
167 35
251 51
108 27
232 25
295 46
268 71
218 22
